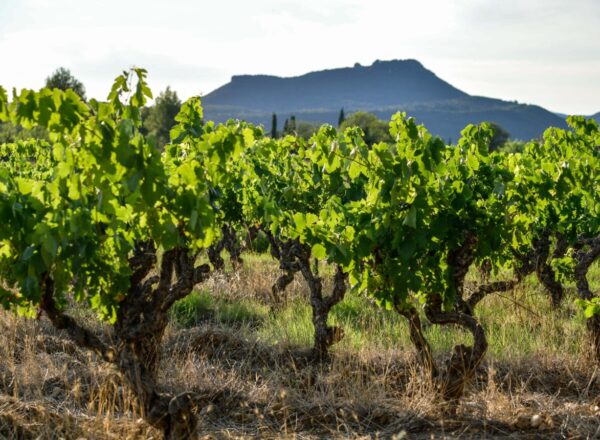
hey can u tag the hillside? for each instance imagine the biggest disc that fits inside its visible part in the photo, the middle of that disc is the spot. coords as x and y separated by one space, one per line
383 88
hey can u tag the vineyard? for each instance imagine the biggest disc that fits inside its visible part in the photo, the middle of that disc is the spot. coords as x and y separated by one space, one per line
108 244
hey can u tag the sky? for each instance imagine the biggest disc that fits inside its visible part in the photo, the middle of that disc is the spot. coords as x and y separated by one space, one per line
544 52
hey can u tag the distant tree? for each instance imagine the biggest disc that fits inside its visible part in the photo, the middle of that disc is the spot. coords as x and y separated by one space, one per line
160 118
274 126
306 129
512 146
499 137
63 79
289 126
374 128
286 127
341 118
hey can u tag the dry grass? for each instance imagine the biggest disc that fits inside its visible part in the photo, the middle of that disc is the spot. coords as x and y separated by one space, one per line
254 387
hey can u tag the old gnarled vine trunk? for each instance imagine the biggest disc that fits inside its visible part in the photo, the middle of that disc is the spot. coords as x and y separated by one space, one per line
285 252
589 252
543 269
294 257
325 336
460 368
230 243
138 333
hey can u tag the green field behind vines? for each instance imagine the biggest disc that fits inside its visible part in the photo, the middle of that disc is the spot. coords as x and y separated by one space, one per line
519 323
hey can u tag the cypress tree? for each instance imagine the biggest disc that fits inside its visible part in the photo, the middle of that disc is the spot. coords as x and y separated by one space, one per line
274 126
292 126
342 117
286 127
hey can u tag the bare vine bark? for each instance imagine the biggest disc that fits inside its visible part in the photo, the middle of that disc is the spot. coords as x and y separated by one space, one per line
525 263
461 366
138 333
232 245
543 269
82 336
464 360
585 256
424 352
325 336
295 257
487 289
285 252
228 242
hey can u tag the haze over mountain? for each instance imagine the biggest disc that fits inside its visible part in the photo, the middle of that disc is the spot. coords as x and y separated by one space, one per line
383 88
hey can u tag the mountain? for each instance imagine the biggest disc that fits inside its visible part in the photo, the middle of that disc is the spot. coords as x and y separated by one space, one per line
596 117
383 88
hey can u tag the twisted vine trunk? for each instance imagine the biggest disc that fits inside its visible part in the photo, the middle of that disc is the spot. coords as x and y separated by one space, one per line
214 255
232 246
251 235
230 243
544 271
138 333
294 257
461 367
463 363
284 251
584 261
424 353
487 289
325 336
525 263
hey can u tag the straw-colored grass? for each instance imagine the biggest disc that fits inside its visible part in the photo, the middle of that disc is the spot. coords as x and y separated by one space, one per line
248 361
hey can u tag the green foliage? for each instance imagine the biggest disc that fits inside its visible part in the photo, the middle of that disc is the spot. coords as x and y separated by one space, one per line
74 211
387 203
556 181
590 307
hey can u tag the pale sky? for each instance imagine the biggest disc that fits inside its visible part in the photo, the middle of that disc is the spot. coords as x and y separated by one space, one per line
544 52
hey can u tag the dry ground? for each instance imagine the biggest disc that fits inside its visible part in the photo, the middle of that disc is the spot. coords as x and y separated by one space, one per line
252 371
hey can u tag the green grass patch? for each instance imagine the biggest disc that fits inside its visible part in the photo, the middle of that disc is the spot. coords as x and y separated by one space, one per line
518 323
201 306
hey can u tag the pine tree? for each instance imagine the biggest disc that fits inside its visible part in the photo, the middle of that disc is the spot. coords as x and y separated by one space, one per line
274 126
342 117
63 79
